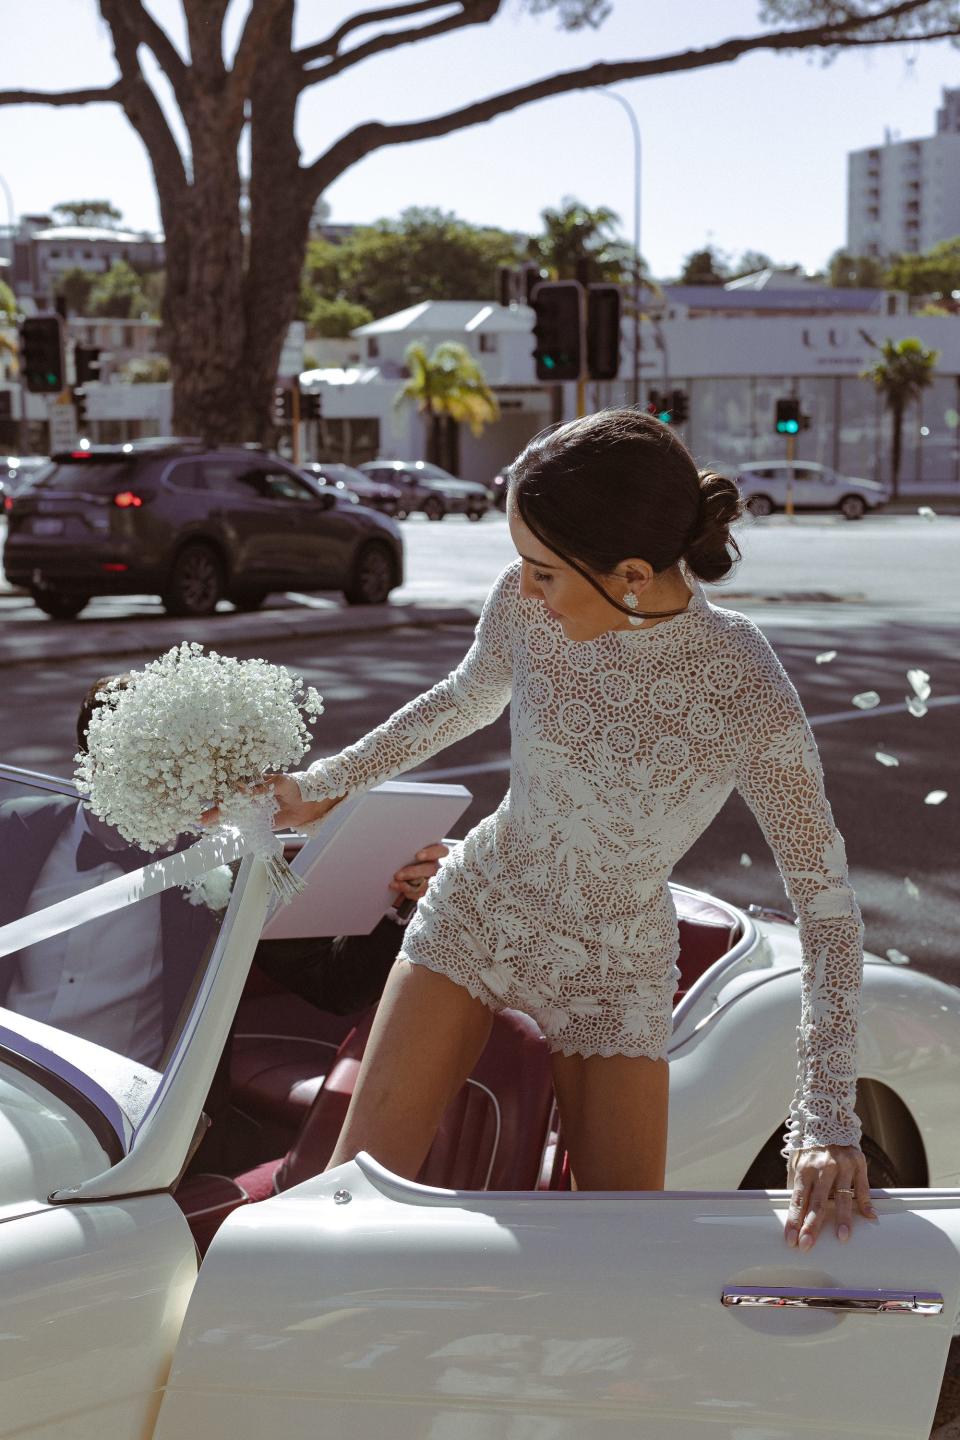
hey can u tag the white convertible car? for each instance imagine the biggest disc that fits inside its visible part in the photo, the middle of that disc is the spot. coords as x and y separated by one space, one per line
142 1298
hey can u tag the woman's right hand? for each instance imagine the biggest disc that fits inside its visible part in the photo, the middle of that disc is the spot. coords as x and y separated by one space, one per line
292 813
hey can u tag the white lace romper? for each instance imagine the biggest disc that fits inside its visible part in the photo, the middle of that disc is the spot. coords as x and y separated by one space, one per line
623 750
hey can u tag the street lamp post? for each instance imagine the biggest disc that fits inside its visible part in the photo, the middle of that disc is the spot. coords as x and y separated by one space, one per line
635 127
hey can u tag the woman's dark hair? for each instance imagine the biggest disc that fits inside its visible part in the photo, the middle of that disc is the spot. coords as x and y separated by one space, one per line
619 484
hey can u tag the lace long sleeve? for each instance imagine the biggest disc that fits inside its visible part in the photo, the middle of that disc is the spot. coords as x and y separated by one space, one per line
472 696
781 779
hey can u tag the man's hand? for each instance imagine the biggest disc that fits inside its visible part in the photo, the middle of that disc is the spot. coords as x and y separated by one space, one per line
411 880
817 1175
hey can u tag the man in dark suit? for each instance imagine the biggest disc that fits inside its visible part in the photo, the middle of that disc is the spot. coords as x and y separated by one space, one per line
122 980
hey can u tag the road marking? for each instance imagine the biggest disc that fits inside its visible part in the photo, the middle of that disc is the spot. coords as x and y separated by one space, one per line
836 717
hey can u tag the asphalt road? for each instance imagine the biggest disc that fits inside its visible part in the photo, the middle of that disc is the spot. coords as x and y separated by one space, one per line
882 594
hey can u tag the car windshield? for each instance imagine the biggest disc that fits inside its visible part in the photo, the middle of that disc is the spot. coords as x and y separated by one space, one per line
98 972
432 472
84 476
346 473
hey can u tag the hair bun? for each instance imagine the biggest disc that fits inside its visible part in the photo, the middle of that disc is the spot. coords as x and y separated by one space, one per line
711 551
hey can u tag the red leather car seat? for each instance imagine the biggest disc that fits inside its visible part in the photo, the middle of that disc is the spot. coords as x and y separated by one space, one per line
707 931
492 1136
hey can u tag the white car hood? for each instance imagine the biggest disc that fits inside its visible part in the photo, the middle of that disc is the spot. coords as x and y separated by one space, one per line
44 1144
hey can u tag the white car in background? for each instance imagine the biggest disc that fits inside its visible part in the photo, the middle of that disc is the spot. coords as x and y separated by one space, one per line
484 1299
765 484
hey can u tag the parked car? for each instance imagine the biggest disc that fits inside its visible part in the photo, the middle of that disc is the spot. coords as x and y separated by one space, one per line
385 498
195 525
498 490
140 1305
429 488
764 485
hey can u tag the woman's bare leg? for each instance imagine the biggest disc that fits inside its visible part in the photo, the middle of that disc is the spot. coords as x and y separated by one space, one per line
614 1116
427 1036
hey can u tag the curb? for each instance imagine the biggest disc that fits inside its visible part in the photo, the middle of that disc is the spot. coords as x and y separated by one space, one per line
153 638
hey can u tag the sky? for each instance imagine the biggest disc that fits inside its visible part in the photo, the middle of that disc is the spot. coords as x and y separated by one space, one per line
750 155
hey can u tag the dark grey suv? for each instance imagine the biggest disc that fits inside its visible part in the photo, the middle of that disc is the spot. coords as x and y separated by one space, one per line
194 525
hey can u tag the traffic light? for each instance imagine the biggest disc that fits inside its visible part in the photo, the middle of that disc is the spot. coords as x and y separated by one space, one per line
86 359
603 332
80 405
679 407
41 350
558 326
660 405
282 405
787 417
311 405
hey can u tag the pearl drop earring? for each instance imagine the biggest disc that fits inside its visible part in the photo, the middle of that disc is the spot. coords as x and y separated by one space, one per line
631 602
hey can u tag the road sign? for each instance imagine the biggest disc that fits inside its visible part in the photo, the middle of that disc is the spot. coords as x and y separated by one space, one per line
291 356
63 422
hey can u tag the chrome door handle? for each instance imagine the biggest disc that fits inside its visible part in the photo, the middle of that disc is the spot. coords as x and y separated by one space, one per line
797 1297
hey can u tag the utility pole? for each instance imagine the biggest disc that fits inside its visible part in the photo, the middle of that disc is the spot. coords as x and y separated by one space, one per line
637 287
295 419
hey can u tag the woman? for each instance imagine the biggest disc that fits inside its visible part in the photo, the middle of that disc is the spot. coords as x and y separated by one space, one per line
637 706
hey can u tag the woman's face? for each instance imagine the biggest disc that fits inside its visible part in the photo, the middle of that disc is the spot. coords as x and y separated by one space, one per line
564 593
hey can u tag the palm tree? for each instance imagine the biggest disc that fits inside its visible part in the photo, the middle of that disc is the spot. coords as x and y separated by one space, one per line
904 371
573 234
449 389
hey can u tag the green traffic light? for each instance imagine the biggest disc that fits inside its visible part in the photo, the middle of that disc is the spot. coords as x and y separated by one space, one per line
788 427
665 415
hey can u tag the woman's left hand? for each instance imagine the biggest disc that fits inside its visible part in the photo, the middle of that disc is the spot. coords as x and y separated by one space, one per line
817 1175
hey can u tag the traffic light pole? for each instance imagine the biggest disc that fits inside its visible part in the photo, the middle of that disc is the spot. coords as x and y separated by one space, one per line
791 454
295 419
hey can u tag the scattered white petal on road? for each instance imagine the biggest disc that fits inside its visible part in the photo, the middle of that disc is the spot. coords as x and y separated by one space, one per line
745 859
915 706
920 683
885 759
935 797
927 512
912 890
866 700
826 656
898 957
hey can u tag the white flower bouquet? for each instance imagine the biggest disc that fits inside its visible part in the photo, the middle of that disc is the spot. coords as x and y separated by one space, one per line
191 731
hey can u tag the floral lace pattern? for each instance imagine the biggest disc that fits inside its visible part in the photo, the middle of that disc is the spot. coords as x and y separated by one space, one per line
623 750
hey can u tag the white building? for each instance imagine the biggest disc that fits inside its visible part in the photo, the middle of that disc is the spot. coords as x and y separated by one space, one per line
904 196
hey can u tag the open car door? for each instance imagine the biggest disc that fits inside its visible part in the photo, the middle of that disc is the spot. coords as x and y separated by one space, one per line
358 1304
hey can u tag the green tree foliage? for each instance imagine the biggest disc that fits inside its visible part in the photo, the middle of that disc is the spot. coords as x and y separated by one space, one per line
426 254
8 304
704 267
935 272
75 286
855 272
147 370
905 368
335 319
574 233
119 294
449 388
88 212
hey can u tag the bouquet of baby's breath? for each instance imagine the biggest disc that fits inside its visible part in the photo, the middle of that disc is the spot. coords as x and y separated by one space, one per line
190 731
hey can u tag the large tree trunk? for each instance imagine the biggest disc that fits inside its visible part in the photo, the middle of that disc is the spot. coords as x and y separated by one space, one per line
227 319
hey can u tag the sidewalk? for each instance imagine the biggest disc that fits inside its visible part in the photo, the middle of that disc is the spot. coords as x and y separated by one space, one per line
35 644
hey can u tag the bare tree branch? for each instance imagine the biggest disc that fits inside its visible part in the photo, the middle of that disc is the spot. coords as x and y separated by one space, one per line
167 56
145 112
374 135
63 97
325 48
479 13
